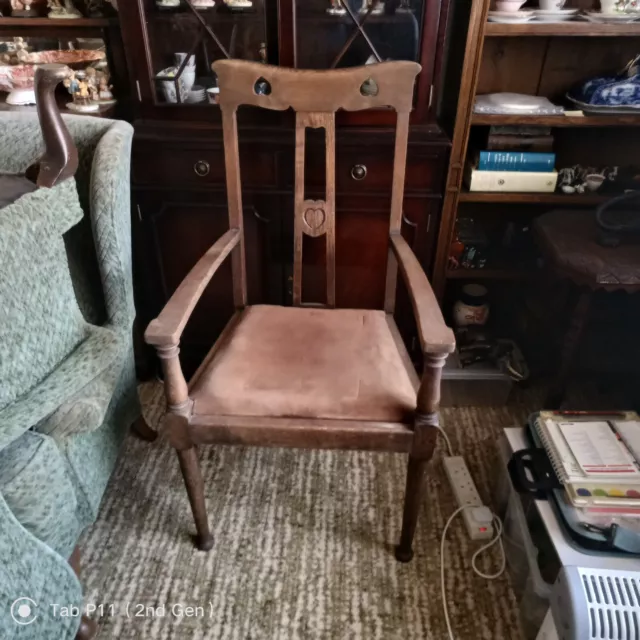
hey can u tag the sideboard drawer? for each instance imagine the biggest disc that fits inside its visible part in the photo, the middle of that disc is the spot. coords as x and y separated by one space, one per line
177 166
372 170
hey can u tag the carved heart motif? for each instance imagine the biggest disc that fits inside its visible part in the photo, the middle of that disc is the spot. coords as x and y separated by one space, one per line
314 218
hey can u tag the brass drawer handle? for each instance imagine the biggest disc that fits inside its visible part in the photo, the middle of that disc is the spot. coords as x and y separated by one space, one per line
202 168
358 172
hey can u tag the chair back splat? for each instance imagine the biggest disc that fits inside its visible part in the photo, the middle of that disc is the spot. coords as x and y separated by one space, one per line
315 96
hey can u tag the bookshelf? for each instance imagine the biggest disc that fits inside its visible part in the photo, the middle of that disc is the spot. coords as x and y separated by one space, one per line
581 199
573 28
534 59
77 23
556 121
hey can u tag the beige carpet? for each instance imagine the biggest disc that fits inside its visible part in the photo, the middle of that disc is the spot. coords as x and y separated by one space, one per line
303 544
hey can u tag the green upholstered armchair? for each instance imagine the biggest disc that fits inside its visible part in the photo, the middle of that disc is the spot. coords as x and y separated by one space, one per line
67 380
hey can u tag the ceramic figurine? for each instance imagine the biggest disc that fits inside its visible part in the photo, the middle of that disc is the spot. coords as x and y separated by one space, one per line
91 78
63 10
79 88
23 9
17 52
336 8
203 4
578 179
627 6
104 88
378 7
238 4
263 52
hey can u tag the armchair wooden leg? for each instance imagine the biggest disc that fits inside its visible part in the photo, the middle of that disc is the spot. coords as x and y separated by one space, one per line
87 630
143 430
195 489
88 627
424 442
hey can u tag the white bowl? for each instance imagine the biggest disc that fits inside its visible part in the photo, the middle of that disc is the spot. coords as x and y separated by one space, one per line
509 5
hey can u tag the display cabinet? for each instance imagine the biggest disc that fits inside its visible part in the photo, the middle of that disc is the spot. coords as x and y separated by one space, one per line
178 173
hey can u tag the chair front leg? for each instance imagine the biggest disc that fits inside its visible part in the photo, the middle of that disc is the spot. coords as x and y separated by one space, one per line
176 428
424 442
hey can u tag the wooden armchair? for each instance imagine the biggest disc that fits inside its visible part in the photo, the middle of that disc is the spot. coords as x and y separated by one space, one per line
307 376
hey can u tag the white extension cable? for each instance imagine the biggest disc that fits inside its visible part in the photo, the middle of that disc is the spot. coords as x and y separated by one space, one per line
494 540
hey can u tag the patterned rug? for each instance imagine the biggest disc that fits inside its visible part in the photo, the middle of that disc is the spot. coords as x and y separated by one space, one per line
303 544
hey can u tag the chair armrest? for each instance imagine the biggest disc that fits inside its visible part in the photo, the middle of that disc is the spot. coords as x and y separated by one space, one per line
167 328
435 336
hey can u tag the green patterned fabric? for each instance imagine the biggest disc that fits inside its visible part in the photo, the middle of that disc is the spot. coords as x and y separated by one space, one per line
62 429
40 321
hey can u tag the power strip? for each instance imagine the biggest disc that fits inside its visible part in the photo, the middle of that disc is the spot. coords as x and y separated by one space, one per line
479 521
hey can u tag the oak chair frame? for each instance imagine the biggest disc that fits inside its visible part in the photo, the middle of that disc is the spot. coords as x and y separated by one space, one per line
315 96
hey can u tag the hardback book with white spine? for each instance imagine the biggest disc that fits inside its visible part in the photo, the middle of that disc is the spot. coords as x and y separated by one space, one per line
511 181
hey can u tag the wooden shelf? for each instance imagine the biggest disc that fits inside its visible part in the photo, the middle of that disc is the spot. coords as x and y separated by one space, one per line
557 121
535 198
79 23
488 274
587 29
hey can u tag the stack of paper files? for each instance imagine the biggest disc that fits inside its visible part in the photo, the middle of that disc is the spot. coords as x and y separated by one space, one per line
595 457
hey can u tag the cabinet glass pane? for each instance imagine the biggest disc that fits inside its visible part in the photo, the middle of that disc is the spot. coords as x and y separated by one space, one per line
206 35
329 37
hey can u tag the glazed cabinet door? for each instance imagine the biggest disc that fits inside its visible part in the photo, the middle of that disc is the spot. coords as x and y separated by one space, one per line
333 34
171 45
175 230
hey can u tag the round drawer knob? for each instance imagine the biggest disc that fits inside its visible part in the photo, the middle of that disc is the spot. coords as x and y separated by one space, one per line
201 168
358 172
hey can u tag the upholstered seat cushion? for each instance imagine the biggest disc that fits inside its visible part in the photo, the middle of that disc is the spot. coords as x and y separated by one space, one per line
307 363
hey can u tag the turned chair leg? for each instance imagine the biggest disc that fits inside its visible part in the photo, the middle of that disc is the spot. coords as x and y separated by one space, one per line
195 489
414 494
569 348
424 443
143 430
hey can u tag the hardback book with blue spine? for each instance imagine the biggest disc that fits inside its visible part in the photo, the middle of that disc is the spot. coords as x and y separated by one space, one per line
516 161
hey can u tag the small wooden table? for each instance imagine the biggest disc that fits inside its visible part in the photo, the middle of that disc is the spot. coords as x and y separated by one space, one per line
568 240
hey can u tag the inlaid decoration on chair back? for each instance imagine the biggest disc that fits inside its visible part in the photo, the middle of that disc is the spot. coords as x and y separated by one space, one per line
315 96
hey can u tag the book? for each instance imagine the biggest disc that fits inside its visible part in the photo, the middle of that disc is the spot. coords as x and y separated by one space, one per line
499 142
579 451
519 130
516 161
511 181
